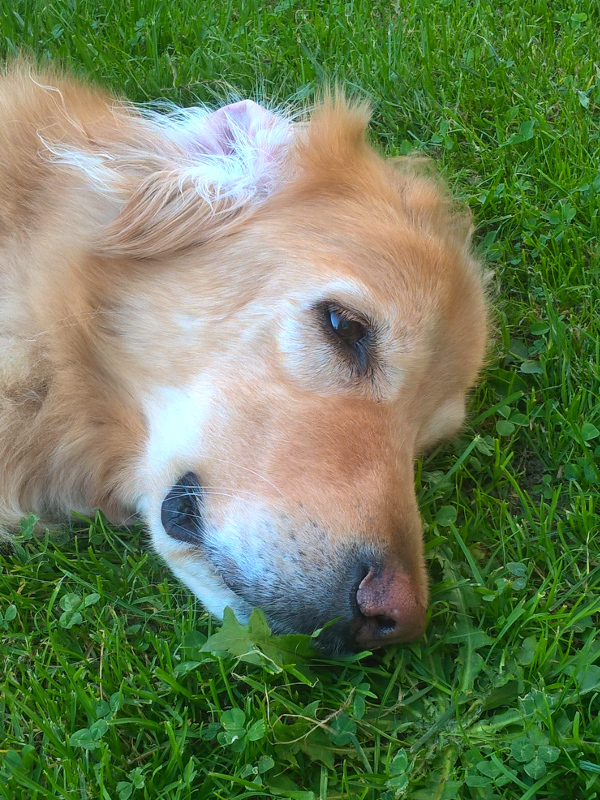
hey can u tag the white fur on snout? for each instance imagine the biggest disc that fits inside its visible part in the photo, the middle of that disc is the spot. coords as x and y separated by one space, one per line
194 570
204 581
242 548
176 419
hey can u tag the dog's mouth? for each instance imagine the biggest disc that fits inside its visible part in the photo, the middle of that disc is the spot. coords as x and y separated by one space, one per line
353 592
183 518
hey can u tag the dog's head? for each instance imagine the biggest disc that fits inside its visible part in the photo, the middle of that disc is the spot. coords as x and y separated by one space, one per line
304 319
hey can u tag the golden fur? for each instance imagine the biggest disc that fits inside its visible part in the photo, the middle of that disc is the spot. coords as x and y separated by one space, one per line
148 330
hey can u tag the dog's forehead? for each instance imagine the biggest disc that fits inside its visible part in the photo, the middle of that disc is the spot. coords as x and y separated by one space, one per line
377 265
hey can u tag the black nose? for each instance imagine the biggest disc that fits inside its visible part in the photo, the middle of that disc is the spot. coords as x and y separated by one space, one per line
182 510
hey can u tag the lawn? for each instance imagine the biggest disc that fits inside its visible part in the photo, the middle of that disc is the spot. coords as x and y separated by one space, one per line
116 685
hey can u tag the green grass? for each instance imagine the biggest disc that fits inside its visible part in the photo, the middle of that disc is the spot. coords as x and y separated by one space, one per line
109 689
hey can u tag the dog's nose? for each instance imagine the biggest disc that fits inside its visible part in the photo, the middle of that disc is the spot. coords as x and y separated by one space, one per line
390 610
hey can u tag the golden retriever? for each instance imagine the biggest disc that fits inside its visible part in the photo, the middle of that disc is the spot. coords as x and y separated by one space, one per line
241 329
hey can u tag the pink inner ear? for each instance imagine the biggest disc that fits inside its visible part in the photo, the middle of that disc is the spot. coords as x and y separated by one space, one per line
235 152
223 131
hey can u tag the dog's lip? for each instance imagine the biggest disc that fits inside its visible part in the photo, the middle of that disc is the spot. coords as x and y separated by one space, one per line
338 617
229 573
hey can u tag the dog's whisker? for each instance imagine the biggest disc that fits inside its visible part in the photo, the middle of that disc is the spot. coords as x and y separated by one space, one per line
192 491
209 493
247 469
185 491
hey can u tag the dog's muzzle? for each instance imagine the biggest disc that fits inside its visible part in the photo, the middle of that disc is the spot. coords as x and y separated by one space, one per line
372 601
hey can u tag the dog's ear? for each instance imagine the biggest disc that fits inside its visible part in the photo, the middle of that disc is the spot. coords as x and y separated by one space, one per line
219 165
426 199
181 178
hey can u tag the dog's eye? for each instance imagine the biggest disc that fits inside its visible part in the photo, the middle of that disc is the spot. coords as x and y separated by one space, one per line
349 330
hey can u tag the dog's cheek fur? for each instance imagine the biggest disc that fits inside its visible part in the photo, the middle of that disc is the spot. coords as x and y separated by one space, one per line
70 444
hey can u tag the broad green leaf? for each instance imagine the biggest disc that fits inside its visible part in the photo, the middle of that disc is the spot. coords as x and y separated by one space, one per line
589 431
522 749
184 667
343 729
193 640
539 328
257 731
536 768
295 732
235 737
233 719
588 679
27 525
136 776
526 652
548 753
502 696
70 602
83 738
446 516
91 599
505 427
232 637
519 419
98 728
247 770
211 730
358 706
317 747
490 768
240 640
13 760
265 763
518 349
399 763
478 781
451 790
115 701
572 472
398 783
124 790
526 129
69 618
536 701
102 709
311 709
282 786
532 367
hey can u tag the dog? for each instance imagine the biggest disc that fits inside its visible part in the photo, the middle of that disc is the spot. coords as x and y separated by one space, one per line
241 328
